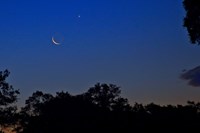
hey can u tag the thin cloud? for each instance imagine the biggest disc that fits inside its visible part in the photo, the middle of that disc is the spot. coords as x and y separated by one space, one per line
193 76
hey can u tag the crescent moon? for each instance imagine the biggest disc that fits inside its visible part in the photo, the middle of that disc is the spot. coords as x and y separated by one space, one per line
56 43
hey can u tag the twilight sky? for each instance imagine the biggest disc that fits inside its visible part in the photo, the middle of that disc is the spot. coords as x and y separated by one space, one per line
139 45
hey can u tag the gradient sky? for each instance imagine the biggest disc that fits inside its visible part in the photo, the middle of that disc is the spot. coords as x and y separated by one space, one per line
139 45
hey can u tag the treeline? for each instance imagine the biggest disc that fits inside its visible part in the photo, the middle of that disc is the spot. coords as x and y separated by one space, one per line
100 109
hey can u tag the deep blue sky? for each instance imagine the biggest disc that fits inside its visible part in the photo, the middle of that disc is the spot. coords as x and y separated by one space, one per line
139 45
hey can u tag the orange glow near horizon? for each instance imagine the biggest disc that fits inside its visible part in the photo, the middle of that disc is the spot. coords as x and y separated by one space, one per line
8 130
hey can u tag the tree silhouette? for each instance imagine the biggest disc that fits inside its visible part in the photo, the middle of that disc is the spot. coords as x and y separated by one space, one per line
60 113
86 112
8 96
102 109
107 97
30 115
192 19
35 102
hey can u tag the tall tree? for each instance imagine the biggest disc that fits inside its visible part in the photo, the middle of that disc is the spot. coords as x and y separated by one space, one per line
192 20
8 98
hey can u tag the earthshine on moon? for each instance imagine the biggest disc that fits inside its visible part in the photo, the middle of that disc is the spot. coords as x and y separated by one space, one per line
54 42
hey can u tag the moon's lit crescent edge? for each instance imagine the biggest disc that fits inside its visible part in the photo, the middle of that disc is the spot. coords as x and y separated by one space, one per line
56 43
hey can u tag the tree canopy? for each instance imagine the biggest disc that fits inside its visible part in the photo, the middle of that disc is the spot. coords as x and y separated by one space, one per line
67 113
107 96
8 98
100 109
192 20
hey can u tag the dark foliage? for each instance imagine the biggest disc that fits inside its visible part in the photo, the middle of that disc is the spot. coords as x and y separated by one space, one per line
8 97
192 19
66 113
101 109
107 97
